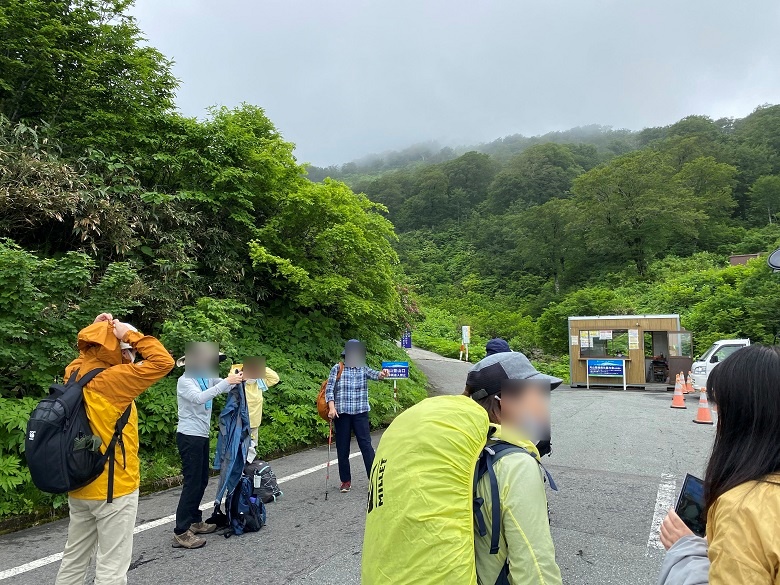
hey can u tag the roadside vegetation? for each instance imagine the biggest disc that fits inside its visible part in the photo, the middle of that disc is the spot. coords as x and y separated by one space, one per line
190 229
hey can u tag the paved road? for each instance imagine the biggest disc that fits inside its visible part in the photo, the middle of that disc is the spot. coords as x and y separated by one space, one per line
618 458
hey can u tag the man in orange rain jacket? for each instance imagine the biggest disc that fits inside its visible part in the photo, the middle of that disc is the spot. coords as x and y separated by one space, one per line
95 524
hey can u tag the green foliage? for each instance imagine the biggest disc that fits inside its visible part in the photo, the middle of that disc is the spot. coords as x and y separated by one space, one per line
81 67
158 415
43 303
328 249
634 207
765 196
216 320
17 494
554 366
190 229
542 172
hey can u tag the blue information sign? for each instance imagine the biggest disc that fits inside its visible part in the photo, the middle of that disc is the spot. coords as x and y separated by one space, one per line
406 340
606 368
397 369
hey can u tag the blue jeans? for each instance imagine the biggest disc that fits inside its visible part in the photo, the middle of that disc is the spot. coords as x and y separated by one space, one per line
345 424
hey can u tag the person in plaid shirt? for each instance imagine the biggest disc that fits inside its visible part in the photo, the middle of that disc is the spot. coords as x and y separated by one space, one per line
348 407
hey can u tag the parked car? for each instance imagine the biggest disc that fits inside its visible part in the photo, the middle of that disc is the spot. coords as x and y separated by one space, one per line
718 352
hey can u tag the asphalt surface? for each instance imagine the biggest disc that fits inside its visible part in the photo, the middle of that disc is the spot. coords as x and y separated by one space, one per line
618 459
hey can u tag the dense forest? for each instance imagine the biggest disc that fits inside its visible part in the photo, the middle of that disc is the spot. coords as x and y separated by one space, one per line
190 229
611 140
606 223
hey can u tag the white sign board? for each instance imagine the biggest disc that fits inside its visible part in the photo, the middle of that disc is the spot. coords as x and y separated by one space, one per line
633 339
584 340
466 335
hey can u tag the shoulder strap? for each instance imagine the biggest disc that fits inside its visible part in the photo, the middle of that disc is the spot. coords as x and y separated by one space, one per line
490 455
110 453
86 378
338 377
502 448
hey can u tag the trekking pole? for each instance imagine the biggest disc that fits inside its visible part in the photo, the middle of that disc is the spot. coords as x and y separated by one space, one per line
327 467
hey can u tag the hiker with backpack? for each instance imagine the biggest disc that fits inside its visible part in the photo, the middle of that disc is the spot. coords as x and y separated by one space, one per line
498 345
103 512
195 392
346 394
517 399
433 516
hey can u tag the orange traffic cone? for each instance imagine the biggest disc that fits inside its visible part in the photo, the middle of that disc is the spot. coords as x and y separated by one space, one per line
703 416
678 401
689 384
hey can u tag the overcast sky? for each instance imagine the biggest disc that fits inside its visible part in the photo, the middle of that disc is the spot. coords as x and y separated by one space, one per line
345 78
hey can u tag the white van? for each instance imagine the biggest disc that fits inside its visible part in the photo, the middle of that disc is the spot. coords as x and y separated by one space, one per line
718 352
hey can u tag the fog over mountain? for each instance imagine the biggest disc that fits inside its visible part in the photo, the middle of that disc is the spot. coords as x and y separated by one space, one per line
348 78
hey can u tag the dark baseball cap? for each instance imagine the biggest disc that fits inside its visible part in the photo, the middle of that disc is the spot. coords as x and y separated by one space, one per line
489 375
496 345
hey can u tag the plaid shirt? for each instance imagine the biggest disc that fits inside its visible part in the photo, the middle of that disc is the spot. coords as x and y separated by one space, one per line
351 392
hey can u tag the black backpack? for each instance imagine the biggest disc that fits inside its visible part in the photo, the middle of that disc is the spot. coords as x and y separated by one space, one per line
264 481
245 511
490 455
62 452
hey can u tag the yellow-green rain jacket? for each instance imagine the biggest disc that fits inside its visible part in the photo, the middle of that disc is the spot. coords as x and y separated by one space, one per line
525 527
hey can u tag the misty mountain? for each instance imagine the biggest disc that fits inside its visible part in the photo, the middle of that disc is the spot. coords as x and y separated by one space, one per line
607 140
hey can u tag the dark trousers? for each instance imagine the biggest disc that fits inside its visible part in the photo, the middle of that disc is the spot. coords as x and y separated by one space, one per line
345 425
194 453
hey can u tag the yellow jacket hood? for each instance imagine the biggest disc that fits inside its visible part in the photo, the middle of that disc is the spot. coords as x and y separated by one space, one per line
98 347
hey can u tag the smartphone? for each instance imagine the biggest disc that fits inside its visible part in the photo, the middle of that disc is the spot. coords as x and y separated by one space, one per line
690 505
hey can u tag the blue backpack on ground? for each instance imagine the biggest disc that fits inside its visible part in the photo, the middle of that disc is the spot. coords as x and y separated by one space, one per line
245 511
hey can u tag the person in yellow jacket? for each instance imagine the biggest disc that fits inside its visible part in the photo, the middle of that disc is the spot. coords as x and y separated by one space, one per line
741 484
95 524
257 378
519 409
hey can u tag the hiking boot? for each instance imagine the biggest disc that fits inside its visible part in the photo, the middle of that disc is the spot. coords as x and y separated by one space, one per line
188 540
345 486
202 528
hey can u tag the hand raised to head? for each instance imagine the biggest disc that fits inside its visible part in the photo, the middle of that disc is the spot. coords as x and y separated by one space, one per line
120 329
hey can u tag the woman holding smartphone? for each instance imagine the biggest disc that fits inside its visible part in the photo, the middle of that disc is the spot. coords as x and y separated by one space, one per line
741 485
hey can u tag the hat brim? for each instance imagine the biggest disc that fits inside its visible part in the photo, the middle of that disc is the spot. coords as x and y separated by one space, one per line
181 362
554 382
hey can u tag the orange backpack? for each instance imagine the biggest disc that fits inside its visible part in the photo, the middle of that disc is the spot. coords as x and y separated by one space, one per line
322 404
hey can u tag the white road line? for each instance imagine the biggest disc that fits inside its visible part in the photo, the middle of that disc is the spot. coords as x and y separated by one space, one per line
667 490
42 562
